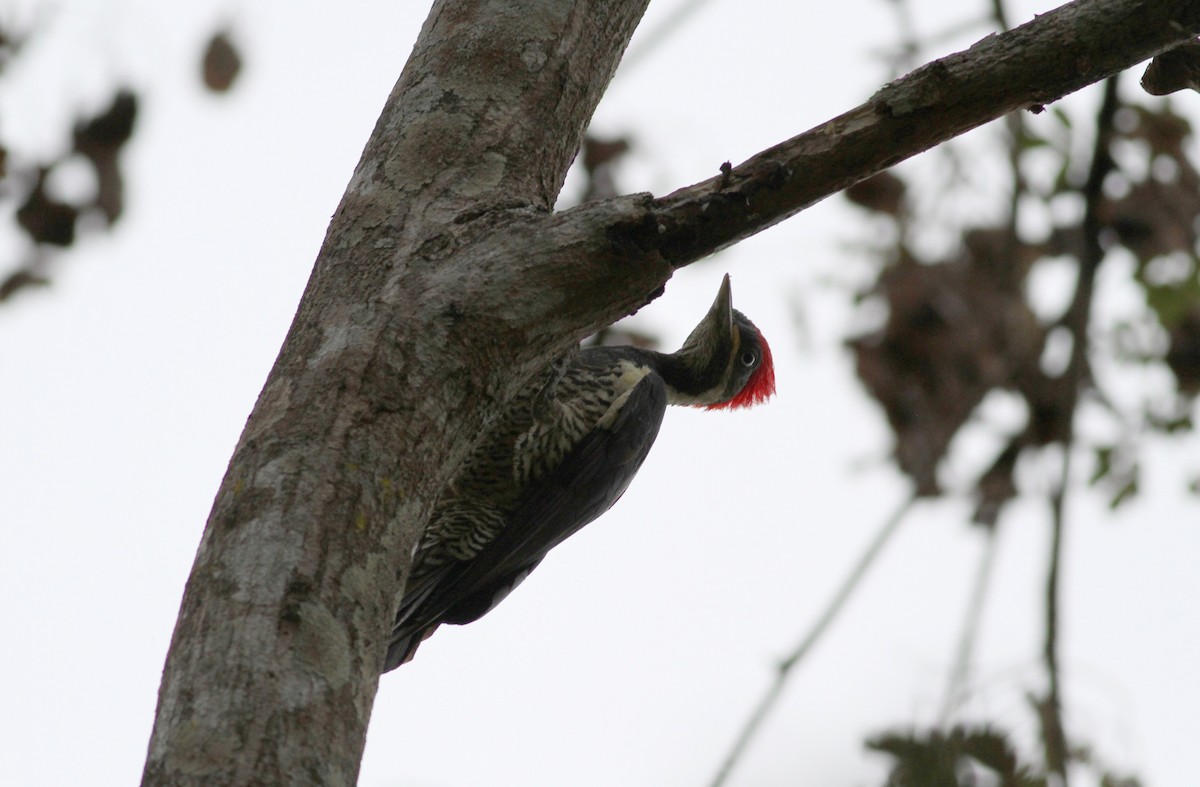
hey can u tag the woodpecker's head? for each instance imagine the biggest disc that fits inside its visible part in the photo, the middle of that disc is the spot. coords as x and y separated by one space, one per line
725 362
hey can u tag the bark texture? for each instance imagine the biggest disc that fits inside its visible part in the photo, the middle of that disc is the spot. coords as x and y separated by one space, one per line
443 282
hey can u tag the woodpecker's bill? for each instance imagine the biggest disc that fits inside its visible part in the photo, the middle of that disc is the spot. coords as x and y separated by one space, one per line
559 457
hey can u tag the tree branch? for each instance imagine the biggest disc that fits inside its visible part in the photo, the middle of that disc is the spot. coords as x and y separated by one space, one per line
1032 65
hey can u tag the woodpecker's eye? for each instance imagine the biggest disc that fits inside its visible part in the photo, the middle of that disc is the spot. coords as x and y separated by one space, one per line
749 358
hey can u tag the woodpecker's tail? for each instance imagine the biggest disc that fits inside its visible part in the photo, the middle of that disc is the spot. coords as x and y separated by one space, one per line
402 649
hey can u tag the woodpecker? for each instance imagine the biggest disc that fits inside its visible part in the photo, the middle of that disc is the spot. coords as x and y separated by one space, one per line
559 456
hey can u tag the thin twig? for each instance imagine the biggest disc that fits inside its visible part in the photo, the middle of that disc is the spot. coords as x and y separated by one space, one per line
956 688
810 639
1054 736
1076 320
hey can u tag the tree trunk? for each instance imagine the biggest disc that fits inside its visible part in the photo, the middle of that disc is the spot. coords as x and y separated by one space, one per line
443 282
409 332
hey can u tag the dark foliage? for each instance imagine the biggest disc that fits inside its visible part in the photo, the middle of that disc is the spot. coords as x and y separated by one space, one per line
962 326
51 222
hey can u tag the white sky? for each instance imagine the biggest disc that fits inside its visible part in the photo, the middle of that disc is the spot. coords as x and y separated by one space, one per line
626 659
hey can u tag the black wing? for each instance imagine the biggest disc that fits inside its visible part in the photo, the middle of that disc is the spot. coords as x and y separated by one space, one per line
589 480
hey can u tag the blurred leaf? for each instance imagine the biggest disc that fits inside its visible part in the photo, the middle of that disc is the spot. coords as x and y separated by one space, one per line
600 152
945 759
881 193
45 219
19 280
1030 141
11 43
1104 455
1155 218
1172 304
1178 425
222 63
600 158
1164 129
1118 471
1112 780
1127 491
1130 342
1183 352
928 762
100 140
102 135
1063 179
1173 417
1061 115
